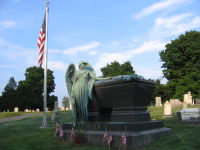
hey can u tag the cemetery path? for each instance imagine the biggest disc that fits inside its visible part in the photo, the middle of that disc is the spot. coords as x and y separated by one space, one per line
19 117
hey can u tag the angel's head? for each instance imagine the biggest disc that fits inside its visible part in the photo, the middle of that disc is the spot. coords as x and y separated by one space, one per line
83 65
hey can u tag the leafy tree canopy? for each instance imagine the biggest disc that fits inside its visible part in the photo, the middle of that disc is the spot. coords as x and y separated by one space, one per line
115 69
29 93
182 64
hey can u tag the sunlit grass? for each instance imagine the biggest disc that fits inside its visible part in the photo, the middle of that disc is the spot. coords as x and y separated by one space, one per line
27 135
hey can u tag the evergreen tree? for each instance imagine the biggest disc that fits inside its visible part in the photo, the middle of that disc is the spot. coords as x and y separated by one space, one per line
11 85
9 100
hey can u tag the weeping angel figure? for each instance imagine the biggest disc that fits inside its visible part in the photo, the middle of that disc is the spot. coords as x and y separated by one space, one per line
79 86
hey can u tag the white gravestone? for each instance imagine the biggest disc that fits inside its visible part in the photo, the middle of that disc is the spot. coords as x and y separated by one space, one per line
188 98
16 109
167 109
158 101
62 108
37 110
26 110
189 114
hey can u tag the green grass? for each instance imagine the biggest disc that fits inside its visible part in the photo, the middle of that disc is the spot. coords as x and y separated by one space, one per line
26 135
182 137
10 114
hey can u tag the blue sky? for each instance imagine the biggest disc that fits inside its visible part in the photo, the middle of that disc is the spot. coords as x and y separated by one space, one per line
97 31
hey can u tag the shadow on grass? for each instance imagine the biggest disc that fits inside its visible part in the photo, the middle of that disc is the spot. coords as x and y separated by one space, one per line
26 135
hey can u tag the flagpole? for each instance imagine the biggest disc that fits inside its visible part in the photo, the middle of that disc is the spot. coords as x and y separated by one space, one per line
44 121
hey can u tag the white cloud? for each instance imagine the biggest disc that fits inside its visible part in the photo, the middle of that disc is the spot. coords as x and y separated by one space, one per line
158 6
18 54
121 57
81 48
92 52
148 73
7 24
174 25
57 65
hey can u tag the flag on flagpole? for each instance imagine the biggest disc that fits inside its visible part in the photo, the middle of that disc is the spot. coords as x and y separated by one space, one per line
41 41
124 138
109 140
105 136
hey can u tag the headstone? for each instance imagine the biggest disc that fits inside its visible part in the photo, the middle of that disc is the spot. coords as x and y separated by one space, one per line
188 98
29 110
56 106
197 101
175 103
184 105
47 109
158 101
7 110
62 108
16 109
189 115
167 109
26 110
33 111
37 110
54 116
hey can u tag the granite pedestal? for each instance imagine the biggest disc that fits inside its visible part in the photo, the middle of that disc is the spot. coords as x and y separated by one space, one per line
120 105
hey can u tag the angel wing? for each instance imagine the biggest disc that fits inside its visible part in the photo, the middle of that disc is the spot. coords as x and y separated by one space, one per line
69 77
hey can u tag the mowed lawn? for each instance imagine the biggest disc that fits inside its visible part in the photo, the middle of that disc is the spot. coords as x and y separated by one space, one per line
26 135
10 114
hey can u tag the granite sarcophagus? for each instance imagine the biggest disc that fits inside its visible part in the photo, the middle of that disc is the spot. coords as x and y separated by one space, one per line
121 106
121 100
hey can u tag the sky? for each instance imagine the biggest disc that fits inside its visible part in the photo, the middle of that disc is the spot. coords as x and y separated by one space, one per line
96 31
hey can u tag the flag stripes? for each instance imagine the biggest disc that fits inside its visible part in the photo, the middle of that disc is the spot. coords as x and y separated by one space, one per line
41 41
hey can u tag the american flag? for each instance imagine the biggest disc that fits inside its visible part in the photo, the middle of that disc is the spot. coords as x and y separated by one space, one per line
61 132
41 41
58 129
105 136
109 139
124 138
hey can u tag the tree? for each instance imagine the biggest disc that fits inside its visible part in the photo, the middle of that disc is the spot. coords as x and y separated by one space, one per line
65 102
30 90
163 90
8 100
115 69
182 64
11 85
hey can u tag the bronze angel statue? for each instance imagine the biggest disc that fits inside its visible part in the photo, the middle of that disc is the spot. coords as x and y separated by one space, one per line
79 86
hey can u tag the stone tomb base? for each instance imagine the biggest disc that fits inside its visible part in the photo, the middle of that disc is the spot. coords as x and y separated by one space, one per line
138 134
189 116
